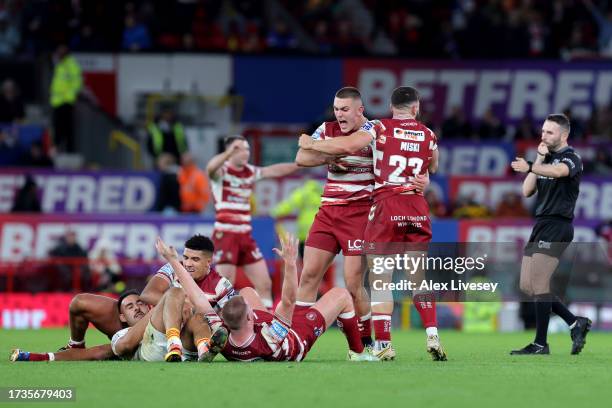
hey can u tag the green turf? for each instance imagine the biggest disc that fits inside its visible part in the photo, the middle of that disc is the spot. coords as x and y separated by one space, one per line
479 373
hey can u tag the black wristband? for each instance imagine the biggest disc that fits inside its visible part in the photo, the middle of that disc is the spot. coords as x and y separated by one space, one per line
530 163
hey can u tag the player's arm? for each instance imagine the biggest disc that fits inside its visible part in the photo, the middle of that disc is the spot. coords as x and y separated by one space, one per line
339 145
288 252
192 290
128 344
311 158
278 170
155 289
215 164
433 163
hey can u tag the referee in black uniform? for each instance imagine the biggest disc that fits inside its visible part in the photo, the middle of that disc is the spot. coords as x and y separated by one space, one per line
555 175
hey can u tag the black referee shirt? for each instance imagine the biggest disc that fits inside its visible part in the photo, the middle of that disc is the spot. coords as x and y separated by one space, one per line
557 196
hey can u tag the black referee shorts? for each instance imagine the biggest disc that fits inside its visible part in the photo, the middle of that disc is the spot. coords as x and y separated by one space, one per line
550 236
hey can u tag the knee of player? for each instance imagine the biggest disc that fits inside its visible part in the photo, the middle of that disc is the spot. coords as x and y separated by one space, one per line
247 291
526 288
175 293
342 295
77 304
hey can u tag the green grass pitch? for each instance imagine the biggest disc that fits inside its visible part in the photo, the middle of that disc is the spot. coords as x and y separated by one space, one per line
479 373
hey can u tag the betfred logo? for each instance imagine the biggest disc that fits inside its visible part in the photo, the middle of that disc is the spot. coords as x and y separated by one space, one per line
404 134
355 245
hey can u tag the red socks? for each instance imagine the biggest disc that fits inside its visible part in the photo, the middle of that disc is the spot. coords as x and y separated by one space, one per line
382 326
425 304
349 325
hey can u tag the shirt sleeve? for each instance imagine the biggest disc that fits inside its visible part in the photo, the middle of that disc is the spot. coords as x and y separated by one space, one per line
257 173
275 333
319 134
167 273
224 291
372 127
433 143
116 337
573 162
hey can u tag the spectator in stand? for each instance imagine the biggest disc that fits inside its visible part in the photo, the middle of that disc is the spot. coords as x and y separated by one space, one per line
36 157
167 135
135 34
280 37
456 126
169 199
577 126
525 130
26 199
602 165
491 127
105 270
65 87
467 207
9 35
68 247
605 28
194 189
437 209
11 104
86 39
511 206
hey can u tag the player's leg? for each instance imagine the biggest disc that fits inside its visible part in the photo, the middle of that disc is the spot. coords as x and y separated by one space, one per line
337 305
252 298
260 278
103 352
167 318
525 280
87 308
382 305
227 271
354 271
316 263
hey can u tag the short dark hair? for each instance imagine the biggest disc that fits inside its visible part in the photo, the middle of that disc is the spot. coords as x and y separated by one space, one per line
348 92
230 139
561 120
200 243
233 312
123 295
403 96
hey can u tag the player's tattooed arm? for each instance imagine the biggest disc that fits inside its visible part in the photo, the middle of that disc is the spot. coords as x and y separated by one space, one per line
192 290
288 252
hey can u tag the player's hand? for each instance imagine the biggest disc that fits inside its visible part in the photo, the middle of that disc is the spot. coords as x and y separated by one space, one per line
520 165
543 149
289 248
165 251
233 148
421 182
338 164
305 142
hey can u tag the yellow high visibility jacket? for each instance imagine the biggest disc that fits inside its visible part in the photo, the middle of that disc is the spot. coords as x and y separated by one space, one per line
306 201
66 82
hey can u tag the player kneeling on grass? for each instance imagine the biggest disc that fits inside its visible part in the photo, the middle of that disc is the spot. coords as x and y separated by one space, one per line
256 334
143 339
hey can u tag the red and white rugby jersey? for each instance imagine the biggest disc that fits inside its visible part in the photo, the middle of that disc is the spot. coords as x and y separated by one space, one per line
352 186
232 193
218 290
272 340
402 149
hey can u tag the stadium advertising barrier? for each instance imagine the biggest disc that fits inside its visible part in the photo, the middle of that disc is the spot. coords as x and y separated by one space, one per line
594 201
129 236
84 192
34 311
512 89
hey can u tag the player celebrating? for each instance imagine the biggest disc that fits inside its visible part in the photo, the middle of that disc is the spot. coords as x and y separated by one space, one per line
102 311
403 148
340 222
256 334
232 180
555 175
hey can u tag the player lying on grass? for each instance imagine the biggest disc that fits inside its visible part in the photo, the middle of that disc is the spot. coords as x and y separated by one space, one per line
153 335
256 334
102 311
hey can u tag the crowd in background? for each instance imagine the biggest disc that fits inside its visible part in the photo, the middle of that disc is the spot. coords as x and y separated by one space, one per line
416 28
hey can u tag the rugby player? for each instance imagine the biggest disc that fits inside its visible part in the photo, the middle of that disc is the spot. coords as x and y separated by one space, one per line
150 336
232 180
102 311
403 148
340 222
285 335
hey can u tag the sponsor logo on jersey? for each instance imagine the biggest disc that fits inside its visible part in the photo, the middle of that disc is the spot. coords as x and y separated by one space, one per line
405 134
543 245
355 245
